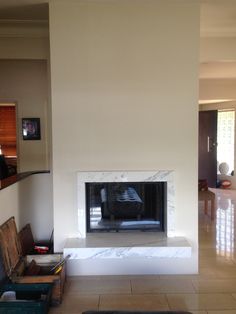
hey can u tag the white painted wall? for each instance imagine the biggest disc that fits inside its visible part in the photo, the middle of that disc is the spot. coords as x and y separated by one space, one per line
124 97
9 203
29 201
25 82
35 203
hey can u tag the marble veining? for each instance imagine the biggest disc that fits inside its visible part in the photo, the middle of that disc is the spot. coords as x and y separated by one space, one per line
128 252
135 245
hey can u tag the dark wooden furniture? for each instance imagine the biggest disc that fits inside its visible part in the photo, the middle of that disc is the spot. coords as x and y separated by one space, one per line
207 196
28 243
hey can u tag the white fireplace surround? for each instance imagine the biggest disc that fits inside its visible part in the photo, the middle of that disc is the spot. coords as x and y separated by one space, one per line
127 253
127 176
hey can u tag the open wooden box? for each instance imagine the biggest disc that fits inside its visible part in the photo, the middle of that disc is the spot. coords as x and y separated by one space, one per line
28 244
19 269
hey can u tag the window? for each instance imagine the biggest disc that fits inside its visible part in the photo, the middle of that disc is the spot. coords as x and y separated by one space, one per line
225 138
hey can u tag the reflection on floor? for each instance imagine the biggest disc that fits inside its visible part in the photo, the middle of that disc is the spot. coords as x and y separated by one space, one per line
213 291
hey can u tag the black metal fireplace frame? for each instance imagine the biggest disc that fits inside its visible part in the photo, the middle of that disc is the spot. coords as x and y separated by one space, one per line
161 188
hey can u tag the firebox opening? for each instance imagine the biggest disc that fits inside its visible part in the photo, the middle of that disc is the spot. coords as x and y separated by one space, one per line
120 206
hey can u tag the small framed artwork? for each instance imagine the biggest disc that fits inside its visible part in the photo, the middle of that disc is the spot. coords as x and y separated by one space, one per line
31 129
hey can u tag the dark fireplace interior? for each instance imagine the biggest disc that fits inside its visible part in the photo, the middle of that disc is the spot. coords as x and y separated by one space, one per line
119 206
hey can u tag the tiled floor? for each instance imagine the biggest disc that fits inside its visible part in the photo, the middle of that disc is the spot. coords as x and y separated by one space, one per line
213 291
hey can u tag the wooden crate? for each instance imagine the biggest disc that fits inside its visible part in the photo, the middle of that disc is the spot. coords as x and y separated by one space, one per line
17 266
27 242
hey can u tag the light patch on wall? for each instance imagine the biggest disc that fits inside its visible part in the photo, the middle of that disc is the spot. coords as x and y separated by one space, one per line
213 101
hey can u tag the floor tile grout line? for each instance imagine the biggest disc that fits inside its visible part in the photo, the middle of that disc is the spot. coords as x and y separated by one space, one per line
99 301
193 286
166 298
131 287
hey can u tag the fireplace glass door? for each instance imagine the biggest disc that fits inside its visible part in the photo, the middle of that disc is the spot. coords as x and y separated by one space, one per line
119 206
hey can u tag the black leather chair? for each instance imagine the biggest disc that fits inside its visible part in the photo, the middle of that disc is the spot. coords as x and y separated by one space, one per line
4 173
6 170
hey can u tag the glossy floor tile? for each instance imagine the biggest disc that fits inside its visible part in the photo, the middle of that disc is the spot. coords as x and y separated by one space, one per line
215 286
212 291
222 312
133 302
208 301
100 286
75 303
153 286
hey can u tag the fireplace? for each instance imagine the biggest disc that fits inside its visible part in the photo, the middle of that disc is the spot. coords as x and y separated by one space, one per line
127 253
120 206
163 178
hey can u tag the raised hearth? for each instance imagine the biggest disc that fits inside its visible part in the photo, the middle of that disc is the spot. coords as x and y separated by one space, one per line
128 252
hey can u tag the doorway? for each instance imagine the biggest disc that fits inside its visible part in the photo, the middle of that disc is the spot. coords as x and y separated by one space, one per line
216 144
207 152
225 140
8 142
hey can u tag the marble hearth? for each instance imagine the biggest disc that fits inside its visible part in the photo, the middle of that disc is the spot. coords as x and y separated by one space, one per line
127 252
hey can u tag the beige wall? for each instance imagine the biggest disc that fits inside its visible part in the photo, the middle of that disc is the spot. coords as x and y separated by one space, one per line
217 88
29 201
27 48
35 203
124 97
25 82
9 200
24 39
217 49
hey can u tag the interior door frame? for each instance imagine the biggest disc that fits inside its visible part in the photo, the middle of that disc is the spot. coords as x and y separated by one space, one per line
228 105
7 102
207 148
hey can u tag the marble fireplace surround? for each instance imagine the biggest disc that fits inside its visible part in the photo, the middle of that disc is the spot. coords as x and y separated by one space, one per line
126 253
127 176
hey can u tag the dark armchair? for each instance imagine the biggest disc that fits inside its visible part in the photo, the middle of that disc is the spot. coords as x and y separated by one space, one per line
5 169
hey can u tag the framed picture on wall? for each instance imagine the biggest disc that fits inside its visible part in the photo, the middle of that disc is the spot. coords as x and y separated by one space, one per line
31 129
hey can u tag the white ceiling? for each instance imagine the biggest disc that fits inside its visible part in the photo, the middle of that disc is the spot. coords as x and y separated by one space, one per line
218 19
218 70
217 16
